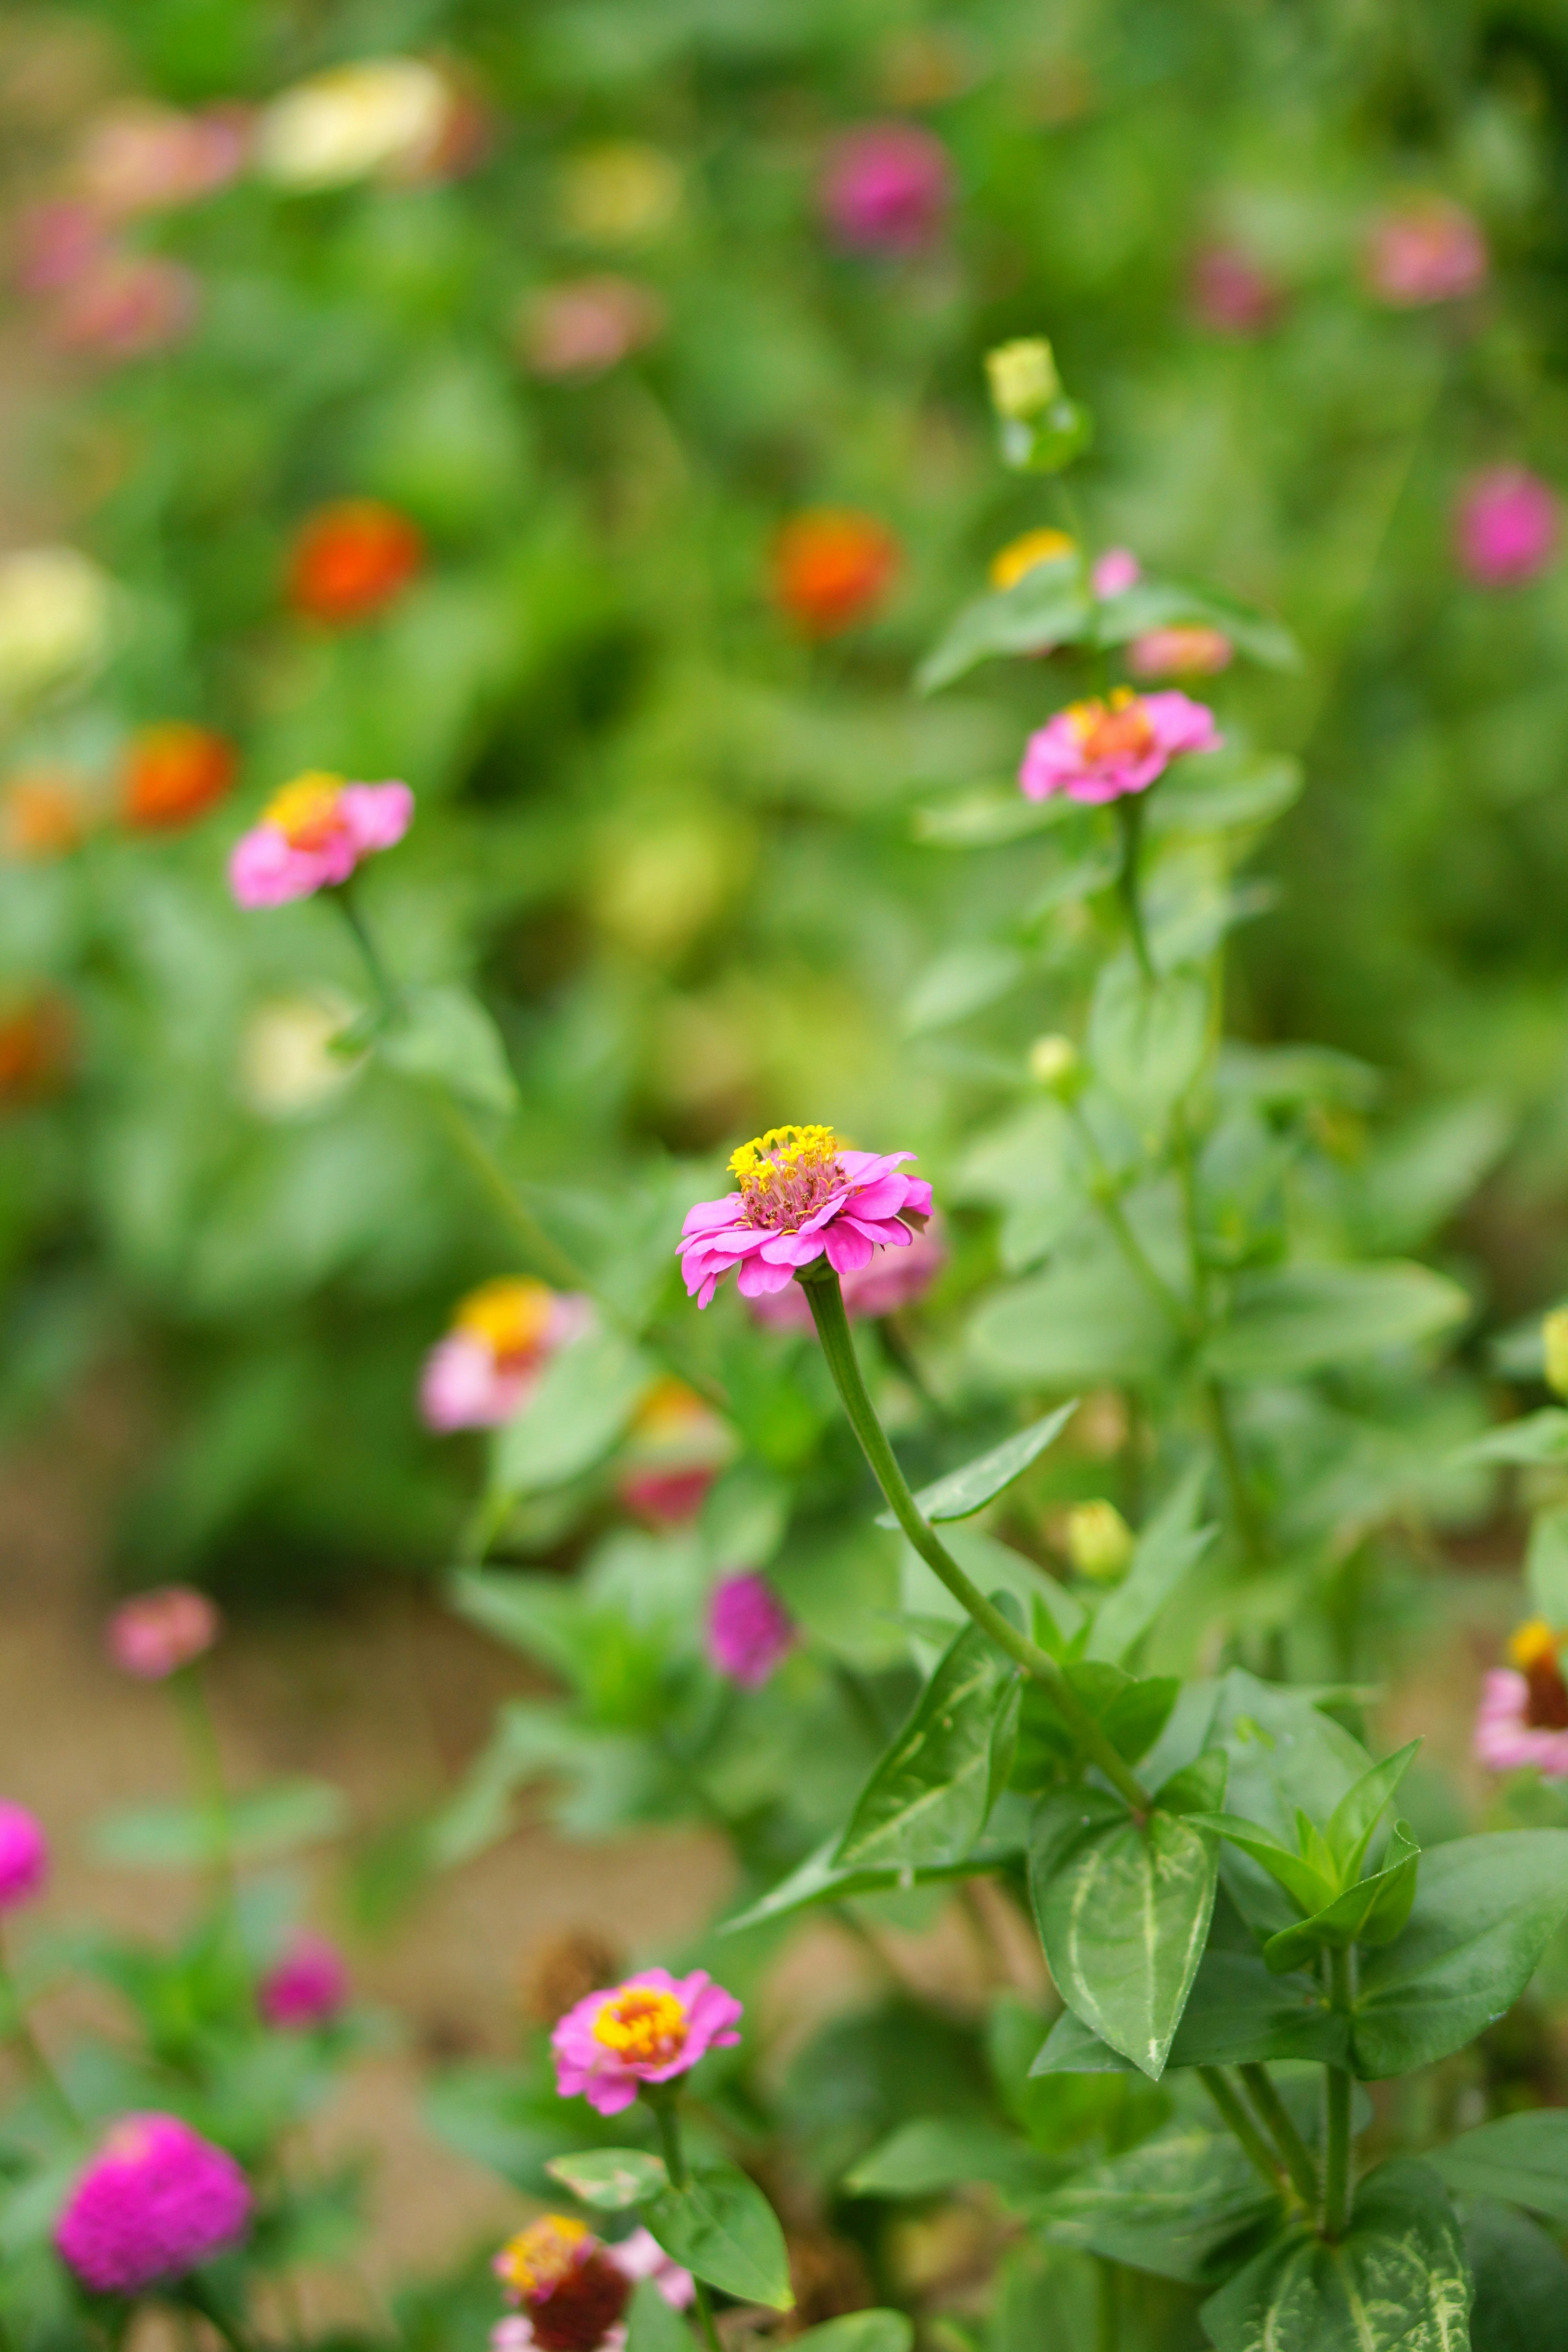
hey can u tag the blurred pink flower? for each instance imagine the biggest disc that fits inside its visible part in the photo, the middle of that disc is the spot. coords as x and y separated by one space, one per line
126 306
887 188
649 2029
144 158
1115 572
573 2289
1180 652
884 1287
1523 1720
308 1986
56 244
588 327
1231 295
154 2202
803 1196
676 1447
1424 251
312 835
1506 527
157 1634
1098 750
502 1337
24 1856
749 1631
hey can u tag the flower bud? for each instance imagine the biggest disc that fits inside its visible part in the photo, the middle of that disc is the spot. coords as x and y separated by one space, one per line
1099 1541
1554 1341
1023 378
1055 1064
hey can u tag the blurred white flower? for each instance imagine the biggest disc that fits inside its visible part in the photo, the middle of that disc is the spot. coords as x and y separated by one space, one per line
287 1065
55 607
619 192
386 117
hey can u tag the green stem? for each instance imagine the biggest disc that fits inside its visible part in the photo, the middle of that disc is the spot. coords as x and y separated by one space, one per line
825 1300
17 2028
1130 816
1108 1199
387 995
1232 2109
1107 2325
189 1695
1337 2090
1243 1509
667 2116
1280 2126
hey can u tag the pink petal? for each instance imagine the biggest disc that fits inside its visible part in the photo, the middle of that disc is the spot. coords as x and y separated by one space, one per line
1181 724
847 1251
759 1279
375 815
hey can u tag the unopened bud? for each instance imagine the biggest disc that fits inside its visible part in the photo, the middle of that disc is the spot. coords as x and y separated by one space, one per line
1099 1541
1023 378
1554 1342
1055 1063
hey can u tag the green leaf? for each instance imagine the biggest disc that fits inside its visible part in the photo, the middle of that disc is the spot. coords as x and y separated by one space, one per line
1356 1816
1297 1319
721 2228
1172 2206
445 1035
1167 1547
928 1799
1521 2284
1372 1912
1239 2014
1204 797
1540 1437
1045 443
1522 2160
610 2178
1285 1753
1546 1566
818 1879
653 2325
964 981
1396 2282
1305 1884
940 2152
283 1818
1160 604
878 2330
1146 1038
1086 1320
1046 607
963 1492
1123 1910
1131 1714
573 1417
1484 1909
987 816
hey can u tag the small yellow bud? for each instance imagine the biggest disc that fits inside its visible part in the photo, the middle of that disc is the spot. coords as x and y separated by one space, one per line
1054 1063
1023 378
1099 1541
1555 1340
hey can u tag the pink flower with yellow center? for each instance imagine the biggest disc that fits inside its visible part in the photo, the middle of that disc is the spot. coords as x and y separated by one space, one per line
1183 651
489 1363
803 1196
1098 750
649 2029
312 835
572 2289
1523 1715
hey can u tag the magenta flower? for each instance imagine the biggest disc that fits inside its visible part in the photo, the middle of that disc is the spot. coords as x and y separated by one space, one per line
1506 527
802 1197
1098 751
502 1336
649 2029
572 2289
1522 1718
154 2202
1230 294
884 1287
158 1632
308 1986
887 188
1115 572
312 835
1427 250
749 1631
24 1856
1180 651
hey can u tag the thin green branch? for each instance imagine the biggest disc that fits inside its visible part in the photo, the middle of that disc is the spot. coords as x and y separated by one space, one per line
1233 2110
1281 2125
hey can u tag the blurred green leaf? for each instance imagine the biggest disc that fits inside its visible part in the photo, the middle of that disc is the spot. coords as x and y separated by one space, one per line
963 1492
445 1035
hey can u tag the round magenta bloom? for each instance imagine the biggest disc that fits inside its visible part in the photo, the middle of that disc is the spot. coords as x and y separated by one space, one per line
24 1856
158 1632
749 1631
802 1197
154 2202
308 1985
1098 751
887 188
312 835
1425 251
1506 527
649 2029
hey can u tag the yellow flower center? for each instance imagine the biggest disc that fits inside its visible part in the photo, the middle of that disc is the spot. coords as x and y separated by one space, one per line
1534 1645
786 1174
1534 1651
644 2026
543 2255
1009 563
1116 729
512 1317
305 812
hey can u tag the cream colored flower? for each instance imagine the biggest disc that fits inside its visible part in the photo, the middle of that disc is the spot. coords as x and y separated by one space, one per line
1099 1541
619 192
55 607
383 117
287 1065
1023 377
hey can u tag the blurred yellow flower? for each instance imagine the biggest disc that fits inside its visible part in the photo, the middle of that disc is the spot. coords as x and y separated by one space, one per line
1009 563
385 117
619 192
1023 377
55 613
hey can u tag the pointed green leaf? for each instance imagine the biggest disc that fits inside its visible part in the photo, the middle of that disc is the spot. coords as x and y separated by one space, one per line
818 1879
1285 1754
1372 1911
1123 1910
610 2178
1287 1868
1540 1437
963 1492
1237 2014
1172 2206
878 2330
1355 1816
1131 1714
1521 2284
940 2152
1147 1038
582 1402
1523 2159
1397 2280
1290 1319
1170 1545
1046 607
721 2228
445 1036
653 2325
928 1799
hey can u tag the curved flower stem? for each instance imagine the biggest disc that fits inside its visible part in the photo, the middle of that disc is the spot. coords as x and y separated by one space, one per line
1130 817
666 2114
388 996
1277 2118
15 2026
1227 2099
825 1300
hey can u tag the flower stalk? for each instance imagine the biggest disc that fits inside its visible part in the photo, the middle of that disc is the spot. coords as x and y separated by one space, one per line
1296 2156
1338 2088
1130 817
664 2102
1232 2109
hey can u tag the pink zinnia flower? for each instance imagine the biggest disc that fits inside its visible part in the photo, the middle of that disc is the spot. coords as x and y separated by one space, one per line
649 2029
57 244
573 2289
749 1631
154 2202
1506 527
1425 251
587 326
312 835
1098 750
158 1632
887 188
308 1986
884 1287
1115 572
489 1363
24 1856
1523 1715
140 158
803 1196
126 306
1180 652
1230 294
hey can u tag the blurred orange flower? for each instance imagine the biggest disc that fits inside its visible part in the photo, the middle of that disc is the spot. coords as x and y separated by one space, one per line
352 559
37 1046
832 566
173 773
42 815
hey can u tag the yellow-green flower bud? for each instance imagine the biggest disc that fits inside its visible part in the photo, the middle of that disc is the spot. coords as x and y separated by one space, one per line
1554 1341
1023 378
1055 1064
1099 1541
